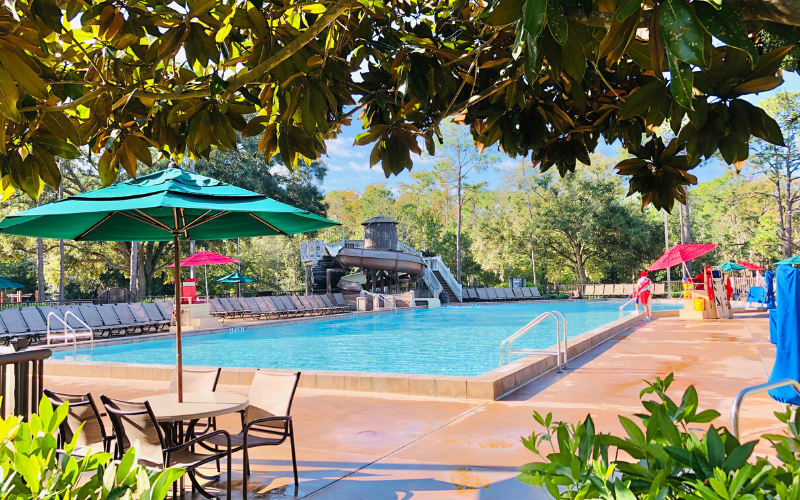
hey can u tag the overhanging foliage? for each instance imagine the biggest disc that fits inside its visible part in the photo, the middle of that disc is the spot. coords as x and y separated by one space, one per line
543 77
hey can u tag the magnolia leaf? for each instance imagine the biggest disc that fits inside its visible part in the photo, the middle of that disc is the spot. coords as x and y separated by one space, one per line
681 81
8 96
534 14
23 74
681 32
557 22
726 24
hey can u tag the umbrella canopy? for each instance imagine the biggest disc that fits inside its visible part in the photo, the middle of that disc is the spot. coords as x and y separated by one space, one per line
171 204
732 266
206 258
791 261
681 253
750 265
236 277
6 283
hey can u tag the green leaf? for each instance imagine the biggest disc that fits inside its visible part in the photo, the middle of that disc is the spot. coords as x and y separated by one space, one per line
533 16
23 74
61 126
725 23
681 32
681 81
738 457
633 430
574 62
8 96
716 450
668 428
622 492
640 100
163 482
628 9
557 22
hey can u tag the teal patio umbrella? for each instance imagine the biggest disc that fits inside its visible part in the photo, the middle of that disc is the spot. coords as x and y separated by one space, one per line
171 204
731 266
6 283
238 278
792 261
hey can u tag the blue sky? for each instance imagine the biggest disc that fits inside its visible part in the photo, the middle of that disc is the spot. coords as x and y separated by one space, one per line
348 165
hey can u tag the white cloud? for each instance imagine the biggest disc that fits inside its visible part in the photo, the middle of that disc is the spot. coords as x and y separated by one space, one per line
342 147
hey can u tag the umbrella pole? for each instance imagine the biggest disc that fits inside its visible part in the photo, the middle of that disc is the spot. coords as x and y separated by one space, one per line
178 301
205 271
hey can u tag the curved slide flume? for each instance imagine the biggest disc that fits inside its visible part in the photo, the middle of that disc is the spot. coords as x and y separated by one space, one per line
383 260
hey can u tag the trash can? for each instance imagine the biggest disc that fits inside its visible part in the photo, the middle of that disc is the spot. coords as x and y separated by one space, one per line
444 298
699 304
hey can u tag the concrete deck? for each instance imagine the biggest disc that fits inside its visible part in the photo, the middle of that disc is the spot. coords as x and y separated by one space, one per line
375 446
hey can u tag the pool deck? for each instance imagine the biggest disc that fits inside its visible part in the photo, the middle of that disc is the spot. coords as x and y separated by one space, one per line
382 446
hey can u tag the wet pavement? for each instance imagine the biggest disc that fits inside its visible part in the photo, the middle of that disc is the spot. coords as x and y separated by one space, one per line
373 446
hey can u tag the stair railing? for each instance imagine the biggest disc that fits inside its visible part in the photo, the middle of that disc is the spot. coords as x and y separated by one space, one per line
436 264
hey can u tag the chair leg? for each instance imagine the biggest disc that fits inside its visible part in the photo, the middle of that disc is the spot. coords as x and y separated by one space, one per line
229 476
294 462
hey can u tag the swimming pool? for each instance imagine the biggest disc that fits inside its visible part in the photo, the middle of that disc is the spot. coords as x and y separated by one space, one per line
461 341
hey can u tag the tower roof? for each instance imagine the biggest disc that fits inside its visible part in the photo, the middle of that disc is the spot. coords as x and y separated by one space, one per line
379 219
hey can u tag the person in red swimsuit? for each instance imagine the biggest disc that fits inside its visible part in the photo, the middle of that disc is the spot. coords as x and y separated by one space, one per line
642 293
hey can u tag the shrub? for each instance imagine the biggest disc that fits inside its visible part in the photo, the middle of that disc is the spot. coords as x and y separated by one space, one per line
661 459
32 466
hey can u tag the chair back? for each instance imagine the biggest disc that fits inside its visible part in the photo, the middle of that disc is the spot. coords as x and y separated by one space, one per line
34 319
135 422
271 395
82 410
90 314
195 380
152 312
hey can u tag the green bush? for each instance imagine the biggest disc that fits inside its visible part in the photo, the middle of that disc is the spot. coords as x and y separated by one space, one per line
661 459
32 467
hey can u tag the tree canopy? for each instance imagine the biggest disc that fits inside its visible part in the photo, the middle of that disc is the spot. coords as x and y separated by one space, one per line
547 78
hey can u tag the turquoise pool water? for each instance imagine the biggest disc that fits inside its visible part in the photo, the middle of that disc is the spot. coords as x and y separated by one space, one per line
444 341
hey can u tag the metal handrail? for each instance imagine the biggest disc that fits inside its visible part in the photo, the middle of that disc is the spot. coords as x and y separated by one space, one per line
564 352
749 391
630 299
91 332
510 341
75 334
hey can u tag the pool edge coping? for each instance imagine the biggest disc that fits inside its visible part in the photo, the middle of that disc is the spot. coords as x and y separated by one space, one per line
488 386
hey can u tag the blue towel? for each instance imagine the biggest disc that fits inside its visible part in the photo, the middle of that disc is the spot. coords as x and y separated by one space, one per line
787 355
773 326
769 303
757 294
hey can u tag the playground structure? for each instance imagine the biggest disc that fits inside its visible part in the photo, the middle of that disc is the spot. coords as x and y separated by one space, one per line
384 263
708 300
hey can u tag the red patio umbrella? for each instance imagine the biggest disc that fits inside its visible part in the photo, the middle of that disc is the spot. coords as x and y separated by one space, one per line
206 258
750 265
681 253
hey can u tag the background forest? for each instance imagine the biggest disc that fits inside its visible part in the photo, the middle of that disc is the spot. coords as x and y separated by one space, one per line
582 228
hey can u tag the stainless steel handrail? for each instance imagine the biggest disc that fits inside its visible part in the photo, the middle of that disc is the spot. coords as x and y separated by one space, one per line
749 391
91 332
66 326
564 330
510 341
631 299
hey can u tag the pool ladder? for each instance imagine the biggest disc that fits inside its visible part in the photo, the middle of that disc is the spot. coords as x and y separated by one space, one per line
507 349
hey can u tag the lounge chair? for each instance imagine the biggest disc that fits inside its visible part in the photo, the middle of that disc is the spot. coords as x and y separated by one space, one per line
134 422
266 304
57 327
216 309
535 293
291 308
277 301
92 318
526 293
33 318
235 305
627 290
305 305
659 289
141 317
267 420
518 293
255 308
82 412
316 300
244 305
111 320
274 306
155 315
15 323
328 303
509 293
4 335
491 294
588 290
339 300
126 317
482 295
608 290
618 290
166 307
229 308
75 320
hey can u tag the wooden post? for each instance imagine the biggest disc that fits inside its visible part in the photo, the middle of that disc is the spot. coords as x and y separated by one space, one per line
178 301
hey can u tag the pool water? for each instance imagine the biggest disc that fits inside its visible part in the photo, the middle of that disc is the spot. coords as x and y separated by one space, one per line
443 341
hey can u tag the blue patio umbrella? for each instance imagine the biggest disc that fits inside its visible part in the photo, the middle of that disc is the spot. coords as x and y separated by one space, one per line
792 261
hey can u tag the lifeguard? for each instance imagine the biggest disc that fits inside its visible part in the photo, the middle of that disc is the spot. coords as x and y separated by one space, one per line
642 294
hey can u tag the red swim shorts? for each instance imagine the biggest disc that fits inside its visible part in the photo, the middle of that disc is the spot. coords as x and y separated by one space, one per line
644 297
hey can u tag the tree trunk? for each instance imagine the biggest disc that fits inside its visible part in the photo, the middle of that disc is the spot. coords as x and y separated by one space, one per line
580 271
788 247
134 267
530 233
61 242
458 231
686 235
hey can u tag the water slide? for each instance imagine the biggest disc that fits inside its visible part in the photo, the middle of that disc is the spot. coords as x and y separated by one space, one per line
382 260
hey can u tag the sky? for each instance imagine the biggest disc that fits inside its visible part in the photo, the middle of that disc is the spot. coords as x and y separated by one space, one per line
348 165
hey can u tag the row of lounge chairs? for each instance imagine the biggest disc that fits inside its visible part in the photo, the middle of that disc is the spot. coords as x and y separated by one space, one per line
620 290
104 320
499 294
278 307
